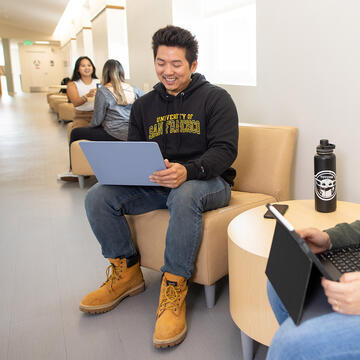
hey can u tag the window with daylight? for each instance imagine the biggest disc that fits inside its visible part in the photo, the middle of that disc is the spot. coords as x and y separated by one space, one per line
226 32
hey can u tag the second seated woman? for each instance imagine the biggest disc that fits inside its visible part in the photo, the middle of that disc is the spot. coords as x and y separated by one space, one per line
81 91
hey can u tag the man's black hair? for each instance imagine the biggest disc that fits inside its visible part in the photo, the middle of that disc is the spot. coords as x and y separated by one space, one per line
176 36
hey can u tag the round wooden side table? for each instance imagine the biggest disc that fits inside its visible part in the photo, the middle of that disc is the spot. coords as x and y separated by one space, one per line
249 241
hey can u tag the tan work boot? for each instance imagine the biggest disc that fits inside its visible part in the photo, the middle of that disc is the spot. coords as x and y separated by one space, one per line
170 327
124 278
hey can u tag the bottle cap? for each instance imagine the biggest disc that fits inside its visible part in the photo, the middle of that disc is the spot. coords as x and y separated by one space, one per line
325 147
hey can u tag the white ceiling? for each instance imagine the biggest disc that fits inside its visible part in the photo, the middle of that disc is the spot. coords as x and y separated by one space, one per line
34 16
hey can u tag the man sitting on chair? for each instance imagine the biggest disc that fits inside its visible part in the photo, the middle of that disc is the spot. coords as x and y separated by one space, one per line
196 126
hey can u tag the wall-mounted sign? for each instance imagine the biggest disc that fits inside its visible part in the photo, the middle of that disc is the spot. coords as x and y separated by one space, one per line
27 42
36 64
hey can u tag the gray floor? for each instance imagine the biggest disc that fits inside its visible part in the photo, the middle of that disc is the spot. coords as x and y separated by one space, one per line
49 259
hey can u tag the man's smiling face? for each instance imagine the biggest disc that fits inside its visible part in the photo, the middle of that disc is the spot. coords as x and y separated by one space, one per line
172 68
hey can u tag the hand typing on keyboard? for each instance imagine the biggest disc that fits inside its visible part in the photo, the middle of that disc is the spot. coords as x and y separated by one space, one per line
343 296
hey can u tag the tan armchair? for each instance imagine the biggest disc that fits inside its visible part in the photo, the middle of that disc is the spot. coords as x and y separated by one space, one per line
50 94
66 112
263 167
79 164
55 100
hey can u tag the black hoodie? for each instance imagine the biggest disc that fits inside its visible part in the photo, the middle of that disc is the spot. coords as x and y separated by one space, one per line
197 128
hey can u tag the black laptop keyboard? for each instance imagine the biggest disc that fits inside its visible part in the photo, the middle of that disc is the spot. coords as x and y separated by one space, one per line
346 259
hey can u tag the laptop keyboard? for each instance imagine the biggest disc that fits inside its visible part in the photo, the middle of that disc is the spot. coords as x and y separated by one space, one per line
345 259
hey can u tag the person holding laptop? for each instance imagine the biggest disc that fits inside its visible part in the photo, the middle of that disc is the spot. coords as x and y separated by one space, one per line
331 336
195 125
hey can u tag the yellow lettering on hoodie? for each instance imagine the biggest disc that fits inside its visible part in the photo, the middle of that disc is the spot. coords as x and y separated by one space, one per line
155 130
174 124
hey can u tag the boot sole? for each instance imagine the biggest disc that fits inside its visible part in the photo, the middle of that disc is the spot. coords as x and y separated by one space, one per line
99 309
176 340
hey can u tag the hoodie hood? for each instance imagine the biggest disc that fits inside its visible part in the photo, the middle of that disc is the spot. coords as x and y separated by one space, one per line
197 80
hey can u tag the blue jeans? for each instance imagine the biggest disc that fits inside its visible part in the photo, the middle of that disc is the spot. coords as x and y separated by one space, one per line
332 336
106 206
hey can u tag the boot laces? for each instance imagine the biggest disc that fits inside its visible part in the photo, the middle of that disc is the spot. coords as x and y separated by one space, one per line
113 273
170 299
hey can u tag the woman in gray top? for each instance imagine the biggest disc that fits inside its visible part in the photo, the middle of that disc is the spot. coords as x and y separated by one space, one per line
112 107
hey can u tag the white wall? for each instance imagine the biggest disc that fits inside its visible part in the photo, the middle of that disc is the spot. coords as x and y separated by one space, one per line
84 43
143 19
308 76
44 74
88 43
118 38
80 43
99 35
69 55
67 60
109 33
15 64
8 66
73 53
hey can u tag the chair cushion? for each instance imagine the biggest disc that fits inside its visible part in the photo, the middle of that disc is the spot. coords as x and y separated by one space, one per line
54 99
49 94
66 111
54 104
79 163
212 259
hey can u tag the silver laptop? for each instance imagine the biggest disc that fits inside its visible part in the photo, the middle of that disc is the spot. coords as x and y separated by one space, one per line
123 162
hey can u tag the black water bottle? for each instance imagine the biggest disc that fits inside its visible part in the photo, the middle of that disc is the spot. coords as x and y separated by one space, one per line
325 177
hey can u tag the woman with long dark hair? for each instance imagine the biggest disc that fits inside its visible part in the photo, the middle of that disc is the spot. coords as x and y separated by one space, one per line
113 102
81 91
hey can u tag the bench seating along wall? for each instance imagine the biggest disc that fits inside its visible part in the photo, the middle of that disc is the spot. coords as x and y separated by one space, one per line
263 168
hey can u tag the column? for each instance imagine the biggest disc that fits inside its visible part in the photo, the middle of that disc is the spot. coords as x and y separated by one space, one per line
8 67
110 24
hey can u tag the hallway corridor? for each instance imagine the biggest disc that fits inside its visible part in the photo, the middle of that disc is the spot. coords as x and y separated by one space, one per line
49 259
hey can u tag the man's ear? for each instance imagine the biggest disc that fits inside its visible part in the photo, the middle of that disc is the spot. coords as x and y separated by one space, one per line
193 66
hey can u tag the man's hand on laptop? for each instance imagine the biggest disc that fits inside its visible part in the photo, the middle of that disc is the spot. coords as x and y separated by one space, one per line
174 175
317 240
344 296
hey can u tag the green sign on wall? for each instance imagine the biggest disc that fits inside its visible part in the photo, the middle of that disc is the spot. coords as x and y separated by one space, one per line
27 42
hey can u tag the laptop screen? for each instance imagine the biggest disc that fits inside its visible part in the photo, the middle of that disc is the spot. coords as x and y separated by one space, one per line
288 270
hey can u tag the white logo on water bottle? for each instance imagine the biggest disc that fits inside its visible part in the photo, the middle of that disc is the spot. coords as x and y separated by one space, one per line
325 185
